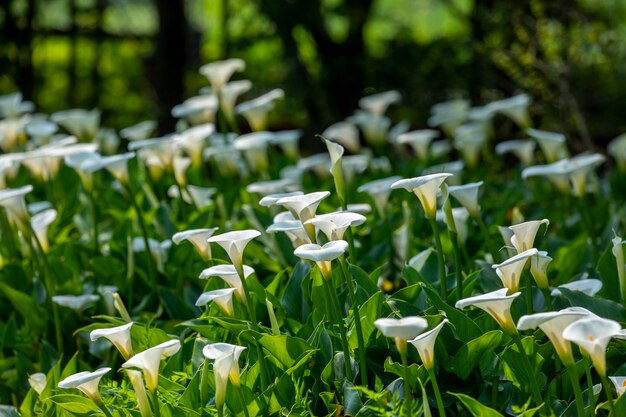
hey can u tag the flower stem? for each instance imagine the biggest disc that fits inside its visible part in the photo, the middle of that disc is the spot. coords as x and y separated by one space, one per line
49 280
204 384
609 395
433 381
144 234
548 298
534 387
588 224
242 401
457 264
94 214
357 321
441 263
103 407
578 394
342 330
155 404
407 388
592 398
529 294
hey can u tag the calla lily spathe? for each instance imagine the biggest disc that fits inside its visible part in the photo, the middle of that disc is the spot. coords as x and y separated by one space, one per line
345 134
229 274
222 297
12 199
552 324
419 141
593 336
539 269
552 144
38 382
425 345
589 286
510 271
379 191
119 336
425 188
497 304
219 72
467 195
524 149
234 244
334 225
76 302
322 255
378 103
87 382
149 361
303 207
198 238
524 234
226 367
620 384
256 111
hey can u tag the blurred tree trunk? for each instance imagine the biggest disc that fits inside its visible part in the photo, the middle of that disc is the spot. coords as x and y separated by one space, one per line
341 82
170 60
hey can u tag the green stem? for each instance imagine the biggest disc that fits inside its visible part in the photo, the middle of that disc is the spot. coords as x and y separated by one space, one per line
357 321
144 234
609 394
485 232
49 280
265 379
457 264
242 401
94 214
534 387
407 388
494 391
578 394
342 330
204 384
155 404
392 252
588 224
433 381
102 407
592 397
440 261
249 302
529 294
548 298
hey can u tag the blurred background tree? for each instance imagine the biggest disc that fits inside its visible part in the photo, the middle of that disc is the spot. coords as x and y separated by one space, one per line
136 59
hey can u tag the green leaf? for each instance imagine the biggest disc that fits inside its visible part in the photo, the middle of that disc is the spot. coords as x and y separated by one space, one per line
74 403
607 269
363 280
369 312
26 306
464 327
286 349
470 355
476 408
294 300
603 308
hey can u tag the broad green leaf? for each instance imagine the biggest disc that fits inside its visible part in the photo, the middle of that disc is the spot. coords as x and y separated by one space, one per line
603 308
369 312
607 269
476 408
286 349
363 280
463 326
294 300
74 403
26 306
470 355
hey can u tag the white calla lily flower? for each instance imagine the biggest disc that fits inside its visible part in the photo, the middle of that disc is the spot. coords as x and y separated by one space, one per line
222 297
344 133
140 131
524 234
272 199
552 144
229 274
524 149
119 336
620 384
303 207
220 72
379 191
234 244
425 188
552 324
226 367
539 269
515 108
40 223
588 286
510 271
76 302
87 382
256 111
467 195
13 200
37 382
150 359
198 238
378 103
334 225
401 330
497 304
322 255
419 141
425 345
593 336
